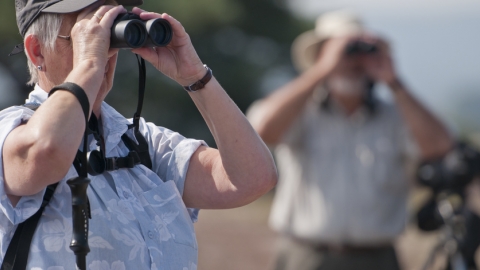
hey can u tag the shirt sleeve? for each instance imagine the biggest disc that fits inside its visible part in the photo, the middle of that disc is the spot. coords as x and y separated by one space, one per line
11 118
171 156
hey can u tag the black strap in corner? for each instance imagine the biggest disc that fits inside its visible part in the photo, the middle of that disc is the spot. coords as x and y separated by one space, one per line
16 257
78 92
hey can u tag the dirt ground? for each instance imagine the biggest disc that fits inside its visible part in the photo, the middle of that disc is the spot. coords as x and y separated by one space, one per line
240 239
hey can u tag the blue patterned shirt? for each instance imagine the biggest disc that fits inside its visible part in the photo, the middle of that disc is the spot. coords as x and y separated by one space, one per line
139 220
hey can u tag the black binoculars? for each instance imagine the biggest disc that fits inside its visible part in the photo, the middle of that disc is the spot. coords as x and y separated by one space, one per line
360 47
129 31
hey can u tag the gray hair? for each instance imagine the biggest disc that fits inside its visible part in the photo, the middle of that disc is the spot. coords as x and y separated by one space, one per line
46 28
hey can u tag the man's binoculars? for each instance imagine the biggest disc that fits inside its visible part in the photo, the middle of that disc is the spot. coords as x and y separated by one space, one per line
129 31
360 47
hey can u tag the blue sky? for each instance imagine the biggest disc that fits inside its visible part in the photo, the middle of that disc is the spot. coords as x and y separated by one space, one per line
436 45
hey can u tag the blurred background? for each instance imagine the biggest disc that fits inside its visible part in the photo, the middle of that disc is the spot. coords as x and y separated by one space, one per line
436 45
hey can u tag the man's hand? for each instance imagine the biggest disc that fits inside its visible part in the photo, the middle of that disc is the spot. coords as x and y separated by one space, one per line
332 55
379 65
178 60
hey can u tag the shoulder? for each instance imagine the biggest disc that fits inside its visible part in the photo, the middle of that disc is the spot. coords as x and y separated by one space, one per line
12 117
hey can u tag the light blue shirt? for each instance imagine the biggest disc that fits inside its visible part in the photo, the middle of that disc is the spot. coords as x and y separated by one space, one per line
139 220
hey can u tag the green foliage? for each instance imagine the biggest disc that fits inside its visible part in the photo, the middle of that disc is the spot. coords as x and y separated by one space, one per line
8 23
196 15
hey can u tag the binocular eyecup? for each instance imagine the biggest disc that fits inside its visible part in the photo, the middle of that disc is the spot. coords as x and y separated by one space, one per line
129 31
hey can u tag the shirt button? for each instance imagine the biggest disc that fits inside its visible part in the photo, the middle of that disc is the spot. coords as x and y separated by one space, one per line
126 195
150 234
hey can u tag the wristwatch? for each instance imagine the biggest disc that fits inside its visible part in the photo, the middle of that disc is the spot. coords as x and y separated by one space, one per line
201 83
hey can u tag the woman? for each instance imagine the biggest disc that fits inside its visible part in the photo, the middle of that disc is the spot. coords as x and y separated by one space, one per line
141 218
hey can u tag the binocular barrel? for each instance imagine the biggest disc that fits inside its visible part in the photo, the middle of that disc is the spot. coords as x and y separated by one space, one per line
129 31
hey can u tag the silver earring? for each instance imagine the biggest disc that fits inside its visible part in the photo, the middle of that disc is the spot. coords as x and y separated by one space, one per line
39 67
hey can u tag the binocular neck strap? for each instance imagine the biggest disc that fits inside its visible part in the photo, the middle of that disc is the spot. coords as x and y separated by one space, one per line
142 147
142 76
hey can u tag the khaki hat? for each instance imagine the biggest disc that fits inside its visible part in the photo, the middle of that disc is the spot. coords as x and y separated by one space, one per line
331 24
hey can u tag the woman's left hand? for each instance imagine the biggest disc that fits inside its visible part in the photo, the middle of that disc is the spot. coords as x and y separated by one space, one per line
178 60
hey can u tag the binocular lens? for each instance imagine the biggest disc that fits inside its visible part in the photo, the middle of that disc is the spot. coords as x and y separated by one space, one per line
134 35
128 34
159 31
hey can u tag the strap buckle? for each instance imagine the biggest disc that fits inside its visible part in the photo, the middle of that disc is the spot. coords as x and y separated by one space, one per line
115 163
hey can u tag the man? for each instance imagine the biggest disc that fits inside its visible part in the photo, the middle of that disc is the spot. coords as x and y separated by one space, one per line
341 199
141 218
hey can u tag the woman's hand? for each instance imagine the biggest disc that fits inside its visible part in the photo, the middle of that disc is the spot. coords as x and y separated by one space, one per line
178 60
91 34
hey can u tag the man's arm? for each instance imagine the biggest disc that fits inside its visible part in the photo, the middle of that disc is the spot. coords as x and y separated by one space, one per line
273 116
431 136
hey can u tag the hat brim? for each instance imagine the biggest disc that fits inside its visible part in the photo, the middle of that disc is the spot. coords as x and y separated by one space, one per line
68 6
305 50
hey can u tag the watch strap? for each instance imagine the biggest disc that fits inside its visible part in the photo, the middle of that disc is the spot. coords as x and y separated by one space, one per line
201 83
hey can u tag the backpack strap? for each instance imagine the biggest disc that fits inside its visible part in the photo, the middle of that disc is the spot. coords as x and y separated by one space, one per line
16 256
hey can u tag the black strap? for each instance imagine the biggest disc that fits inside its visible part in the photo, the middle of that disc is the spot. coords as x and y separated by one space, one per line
78 92
141 148
16 256
141 91
115 163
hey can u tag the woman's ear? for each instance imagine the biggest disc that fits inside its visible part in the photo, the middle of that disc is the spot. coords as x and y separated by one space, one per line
33 50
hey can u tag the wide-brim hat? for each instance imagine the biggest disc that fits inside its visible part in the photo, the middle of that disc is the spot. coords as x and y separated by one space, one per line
306 46
29 10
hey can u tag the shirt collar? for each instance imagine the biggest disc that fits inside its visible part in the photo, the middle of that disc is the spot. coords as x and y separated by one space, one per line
114 124
323 101
38 95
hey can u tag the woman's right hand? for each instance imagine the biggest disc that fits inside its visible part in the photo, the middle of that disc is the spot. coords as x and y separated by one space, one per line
91 34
